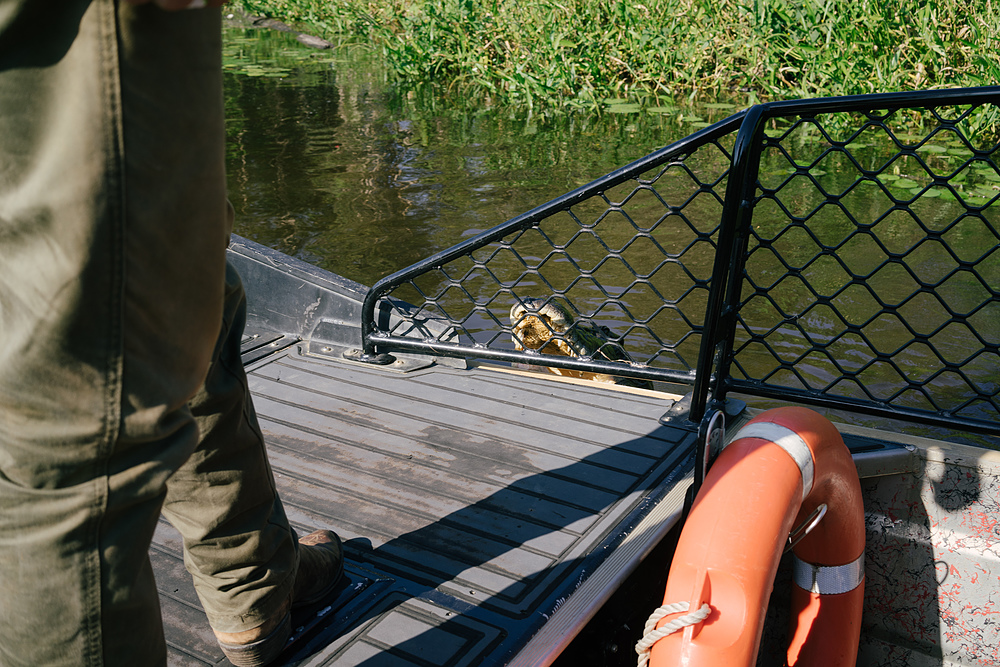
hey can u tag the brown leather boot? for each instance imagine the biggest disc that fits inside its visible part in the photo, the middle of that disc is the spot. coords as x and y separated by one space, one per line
258 646
321 565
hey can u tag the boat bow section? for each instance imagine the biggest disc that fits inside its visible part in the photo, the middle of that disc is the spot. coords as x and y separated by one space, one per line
480 507
839 253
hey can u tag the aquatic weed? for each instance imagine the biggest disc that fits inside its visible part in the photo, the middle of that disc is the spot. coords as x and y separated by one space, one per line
552 54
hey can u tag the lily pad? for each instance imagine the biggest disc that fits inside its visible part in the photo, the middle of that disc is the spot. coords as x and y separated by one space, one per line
624 108
975 200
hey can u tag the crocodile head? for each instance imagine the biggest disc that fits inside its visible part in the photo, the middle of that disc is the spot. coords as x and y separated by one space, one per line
543 326
548 327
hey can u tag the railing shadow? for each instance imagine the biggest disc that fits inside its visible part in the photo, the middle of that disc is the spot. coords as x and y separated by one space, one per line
434 562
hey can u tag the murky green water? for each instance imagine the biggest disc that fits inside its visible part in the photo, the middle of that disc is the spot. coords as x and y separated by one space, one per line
330 164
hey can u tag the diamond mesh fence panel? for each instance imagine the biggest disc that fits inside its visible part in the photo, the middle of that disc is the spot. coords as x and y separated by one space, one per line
619 274
873 264
869 273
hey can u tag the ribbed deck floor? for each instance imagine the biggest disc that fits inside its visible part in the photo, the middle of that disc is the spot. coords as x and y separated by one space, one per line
473 502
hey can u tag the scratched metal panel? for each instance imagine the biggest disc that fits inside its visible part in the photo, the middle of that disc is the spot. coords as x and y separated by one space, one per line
932 593
473 503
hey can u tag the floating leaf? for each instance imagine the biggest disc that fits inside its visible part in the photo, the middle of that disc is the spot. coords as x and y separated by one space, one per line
624 108
719 105
933 148
906 183
660 109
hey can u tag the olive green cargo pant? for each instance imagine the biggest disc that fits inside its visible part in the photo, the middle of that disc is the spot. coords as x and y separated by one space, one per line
119 396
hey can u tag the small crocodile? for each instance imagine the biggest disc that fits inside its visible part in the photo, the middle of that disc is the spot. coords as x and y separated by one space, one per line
551 329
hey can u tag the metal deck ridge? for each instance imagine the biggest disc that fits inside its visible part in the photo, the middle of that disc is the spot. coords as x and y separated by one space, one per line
472 503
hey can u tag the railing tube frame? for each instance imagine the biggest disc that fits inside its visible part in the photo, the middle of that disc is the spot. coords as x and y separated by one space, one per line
369 338
723 294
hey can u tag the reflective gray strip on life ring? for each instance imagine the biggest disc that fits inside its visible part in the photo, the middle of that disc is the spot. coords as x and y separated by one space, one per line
828 579
788 440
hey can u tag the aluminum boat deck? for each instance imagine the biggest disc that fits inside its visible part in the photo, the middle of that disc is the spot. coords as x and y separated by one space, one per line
473 503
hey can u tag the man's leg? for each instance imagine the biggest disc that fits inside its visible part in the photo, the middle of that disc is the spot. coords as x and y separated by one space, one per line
238 544
113 228
247 567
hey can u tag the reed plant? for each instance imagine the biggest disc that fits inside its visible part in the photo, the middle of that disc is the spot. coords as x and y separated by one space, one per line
556 54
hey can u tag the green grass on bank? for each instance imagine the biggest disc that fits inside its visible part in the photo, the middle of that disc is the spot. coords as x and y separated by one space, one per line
579 53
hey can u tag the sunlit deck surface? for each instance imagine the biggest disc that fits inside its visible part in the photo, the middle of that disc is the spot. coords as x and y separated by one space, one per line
473 502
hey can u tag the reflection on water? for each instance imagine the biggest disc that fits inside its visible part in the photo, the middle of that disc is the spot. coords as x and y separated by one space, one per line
892 262
330 164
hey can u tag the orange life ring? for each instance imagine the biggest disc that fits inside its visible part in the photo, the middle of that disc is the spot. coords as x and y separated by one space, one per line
777 471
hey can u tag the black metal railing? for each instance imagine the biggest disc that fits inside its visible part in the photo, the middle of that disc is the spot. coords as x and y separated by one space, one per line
842 252
631 251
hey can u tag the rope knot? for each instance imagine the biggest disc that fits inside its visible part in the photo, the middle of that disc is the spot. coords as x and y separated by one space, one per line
651 635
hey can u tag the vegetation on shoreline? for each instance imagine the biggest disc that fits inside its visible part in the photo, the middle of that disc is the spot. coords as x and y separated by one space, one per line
550 54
